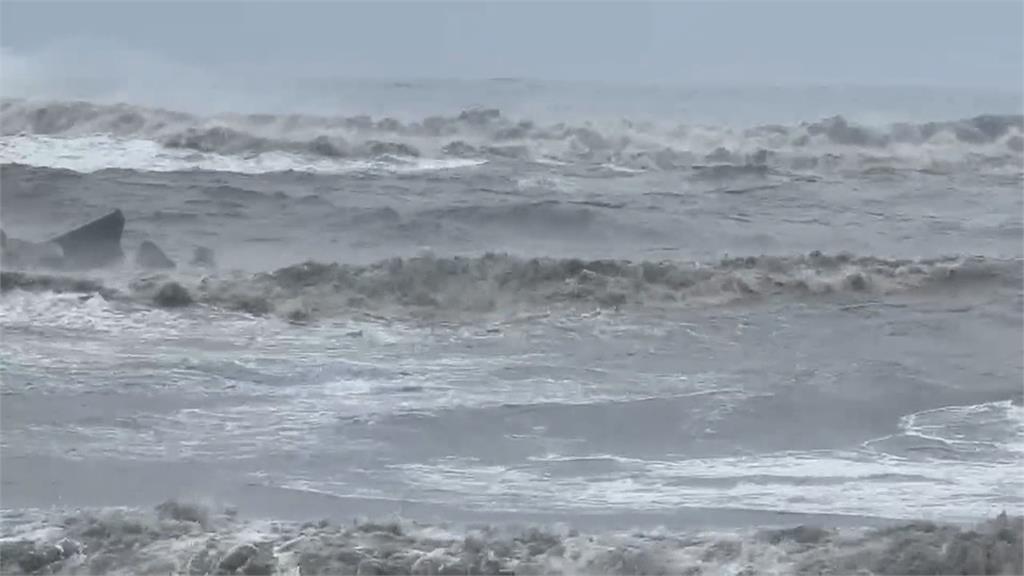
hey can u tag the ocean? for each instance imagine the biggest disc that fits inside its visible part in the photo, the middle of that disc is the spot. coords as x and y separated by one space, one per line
516 327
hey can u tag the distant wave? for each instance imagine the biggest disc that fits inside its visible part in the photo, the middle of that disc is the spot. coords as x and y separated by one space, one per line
429 285
832 143
184 538
88 154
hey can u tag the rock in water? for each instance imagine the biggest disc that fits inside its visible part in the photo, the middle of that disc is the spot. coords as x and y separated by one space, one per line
96 244
149 255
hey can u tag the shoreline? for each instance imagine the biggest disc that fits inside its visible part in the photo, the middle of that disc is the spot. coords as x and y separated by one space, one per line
180 537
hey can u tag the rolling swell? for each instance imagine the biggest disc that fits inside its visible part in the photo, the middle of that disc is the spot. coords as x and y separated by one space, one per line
29 282
831 143
499 281
504 283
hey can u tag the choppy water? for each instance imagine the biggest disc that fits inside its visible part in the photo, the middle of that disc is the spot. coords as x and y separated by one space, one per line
480 317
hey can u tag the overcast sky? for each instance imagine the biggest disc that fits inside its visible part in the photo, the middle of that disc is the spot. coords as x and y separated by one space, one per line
976 43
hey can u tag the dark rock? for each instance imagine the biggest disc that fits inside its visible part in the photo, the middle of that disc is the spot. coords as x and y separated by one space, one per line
96 244
149 255
172 295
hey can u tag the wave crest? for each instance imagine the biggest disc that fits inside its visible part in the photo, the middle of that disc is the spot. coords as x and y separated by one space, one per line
826 144
502 283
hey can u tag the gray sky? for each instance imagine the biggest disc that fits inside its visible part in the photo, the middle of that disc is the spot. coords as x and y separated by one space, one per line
977 43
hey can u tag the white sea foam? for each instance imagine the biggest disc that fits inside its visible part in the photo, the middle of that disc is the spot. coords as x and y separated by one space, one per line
186 538
853 483
100 152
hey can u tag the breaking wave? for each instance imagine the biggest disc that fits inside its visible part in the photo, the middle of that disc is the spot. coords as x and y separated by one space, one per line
182 538
501 282
829 144
100 152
